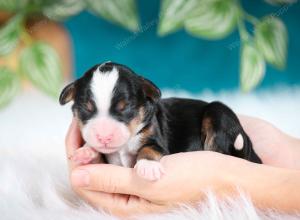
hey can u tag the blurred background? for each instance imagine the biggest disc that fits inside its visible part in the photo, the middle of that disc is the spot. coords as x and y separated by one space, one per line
180 60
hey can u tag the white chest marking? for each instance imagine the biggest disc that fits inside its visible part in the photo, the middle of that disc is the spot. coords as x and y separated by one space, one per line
126 156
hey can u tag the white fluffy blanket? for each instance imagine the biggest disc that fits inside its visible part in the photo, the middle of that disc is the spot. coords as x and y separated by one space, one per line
33 174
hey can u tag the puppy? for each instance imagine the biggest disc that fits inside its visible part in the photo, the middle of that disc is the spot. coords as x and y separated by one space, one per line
123 117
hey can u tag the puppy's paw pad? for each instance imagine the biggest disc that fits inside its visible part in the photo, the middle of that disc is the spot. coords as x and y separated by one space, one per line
149 169
84 155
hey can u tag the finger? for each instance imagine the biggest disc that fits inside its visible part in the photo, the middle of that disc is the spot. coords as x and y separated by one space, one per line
73 137
120 205
109 178
73 140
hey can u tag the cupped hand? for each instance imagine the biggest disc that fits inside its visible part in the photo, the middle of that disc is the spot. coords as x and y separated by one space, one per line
120 191
273 146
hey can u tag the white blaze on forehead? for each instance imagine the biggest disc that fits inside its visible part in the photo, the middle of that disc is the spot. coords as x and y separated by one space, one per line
102 87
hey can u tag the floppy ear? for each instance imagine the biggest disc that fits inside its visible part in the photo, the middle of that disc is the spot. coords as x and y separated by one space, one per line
150 89
67 94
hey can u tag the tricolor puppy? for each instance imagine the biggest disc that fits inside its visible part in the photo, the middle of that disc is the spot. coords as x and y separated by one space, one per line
123 117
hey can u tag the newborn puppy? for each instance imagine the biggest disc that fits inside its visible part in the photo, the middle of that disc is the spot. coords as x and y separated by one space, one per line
123 117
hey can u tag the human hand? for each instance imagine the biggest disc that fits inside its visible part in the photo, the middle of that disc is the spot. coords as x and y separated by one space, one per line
273 146
102 197
121 191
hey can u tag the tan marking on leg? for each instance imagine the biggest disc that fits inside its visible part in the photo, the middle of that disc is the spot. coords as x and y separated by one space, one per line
209 135
206 124
149 153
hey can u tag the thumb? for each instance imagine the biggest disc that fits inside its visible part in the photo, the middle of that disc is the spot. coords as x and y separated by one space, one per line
106 178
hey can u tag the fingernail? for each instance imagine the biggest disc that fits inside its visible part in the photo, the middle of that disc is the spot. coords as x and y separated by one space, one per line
80 178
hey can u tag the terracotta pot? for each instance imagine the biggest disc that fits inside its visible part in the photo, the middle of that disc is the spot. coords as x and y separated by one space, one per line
46 31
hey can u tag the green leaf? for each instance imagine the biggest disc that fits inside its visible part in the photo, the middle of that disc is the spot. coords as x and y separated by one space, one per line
10 34
40 63
213 19
122 12
173 13
9 86
252 67
63 9
13 5
271 39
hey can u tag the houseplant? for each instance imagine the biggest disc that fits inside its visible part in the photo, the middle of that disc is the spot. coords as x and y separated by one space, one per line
36 49
23 56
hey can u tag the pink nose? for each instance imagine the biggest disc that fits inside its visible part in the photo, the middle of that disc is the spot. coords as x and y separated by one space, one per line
104 139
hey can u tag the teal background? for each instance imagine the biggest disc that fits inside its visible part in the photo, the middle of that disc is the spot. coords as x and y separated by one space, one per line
179 60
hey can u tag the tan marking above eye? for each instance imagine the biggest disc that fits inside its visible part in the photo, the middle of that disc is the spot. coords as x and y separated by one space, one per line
89 106
121 105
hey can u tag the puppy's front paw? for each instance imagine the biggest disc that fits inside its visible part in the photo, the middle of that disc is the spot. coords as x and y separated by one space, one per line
149 169
84 155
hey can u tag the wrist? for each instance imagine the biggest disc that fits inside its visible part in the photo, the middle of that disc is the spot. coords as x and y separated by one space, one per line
295 153
268 187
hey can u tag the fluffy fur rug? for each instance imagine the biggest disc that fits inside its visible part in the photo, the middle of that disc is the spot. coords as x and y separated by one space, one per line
33 174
